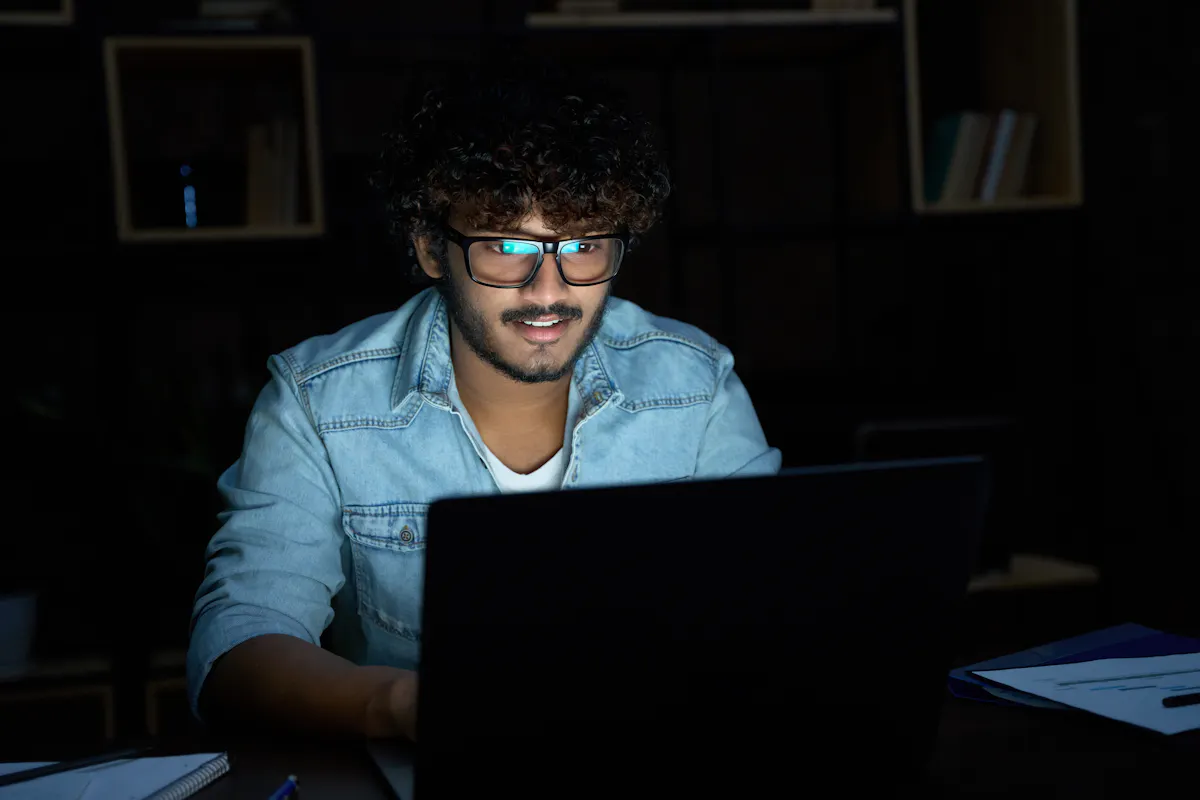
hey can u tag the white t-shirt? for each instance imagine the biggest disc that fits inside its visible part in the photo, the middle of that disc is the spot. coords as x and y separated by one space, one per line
548 476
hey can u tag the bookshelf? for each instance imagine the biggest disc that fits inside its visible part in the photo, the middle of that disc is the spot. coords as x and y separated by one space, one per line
981 56
987 56
213 138
33 13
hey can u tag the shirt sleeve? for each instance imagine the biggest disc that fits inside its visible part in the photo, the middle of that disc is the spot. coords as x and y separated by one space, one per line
734 444
275 563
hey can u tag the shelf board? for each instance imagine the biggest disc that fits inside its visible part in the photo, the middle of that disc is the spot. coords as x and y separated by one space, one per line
1001 206
240 233
57 669
711 19
1032 571
65 15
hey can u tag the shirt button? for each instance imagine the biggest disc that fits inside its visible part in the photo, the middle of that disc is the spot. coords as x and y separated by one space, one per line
406 535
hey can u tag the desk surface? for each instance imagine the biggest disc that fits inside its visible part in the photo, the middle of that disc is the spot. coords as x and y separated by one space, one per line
984 750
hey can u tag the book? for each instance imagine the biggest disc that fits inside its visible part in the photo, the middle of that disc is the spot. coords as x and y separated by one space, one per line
152 778
1014 176
287 166
955 155
273 172
969 148
998 149
938 155
260 166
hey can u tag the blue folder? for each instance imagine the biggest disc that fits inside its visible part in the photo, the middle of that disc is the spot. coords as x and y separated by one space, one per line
1120 641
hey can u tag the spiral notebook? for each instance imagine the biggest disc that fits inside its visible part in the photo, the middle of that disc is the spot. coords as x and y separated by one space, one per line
157 778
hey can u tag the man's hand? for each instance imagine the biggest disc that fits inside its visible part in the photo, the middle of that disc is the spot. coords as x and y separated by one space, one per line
392 709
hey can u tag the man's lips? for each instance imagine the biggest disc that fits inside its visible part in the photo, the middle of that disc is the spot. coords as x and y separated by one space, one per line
551 329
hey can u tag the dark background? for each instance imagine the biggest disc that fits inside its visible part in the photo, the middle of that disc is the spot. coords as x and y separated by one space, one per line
133 366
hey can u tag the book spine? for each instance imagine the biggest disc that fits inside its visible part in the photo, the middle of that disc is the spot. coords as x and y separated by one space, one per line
939 155
1005 124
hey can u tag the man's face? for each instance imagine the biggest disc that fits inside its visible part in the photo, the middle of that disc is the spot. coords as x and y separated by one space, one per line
493 322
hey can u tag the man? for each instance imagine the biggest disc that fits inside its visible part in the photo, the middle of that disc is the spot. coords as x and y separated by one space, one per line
515 371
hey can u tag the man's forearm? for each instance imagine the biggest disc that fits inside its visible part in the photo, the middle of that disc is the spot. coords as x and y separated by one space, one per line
292 685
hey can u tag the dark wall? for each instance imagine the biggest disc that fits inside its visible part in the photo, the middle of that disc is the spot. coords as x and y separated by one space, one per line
136 364
1139 339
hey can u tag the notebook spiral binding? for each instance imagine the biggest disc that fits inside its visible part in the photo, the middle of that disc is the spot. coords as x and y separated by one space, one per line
193 782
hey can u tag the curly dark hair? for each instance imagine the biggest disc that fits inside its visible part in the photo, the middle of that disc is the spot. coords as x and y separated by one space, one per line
495 141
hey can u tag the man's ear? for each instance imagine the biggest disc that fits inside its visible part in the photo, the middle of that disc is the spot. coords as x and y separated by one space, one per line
425 257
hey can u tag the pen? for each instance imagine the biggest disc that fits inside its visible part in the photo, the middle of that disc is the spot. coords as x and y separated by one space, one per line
286 790
1177 700
68 766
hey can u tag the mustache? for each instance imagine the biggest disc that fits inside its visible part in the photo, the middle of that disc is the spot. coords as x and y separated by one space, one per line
560 310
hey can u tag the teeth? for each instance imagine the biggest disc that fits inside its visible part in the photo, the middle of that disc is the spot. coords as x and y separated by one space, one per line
542 324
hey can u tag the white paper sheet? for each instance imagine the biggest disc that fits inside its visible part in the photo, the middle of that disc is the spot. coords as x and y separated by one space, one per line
132 779
1126 689
63 786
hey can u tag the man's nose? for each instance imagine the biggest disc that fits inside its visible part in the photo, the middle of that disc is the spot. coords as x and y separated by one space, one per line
547 287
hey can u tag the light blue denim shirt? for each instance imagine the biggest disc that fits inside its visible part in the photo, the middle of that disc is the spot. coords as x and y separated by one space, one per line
355 436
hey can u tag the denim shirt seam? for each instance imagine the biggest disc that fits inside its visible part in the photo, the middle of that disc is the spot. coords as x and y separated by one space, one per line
305 375
289 361
426 376
630 343
670 401
403 509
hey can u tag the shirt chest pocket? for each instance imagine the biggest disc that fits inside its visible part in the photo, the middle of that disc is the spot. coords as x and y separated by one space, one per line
387 544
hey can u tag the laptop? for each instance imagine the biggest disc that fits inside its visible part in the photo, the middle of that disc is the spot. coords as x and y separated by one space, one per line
703 639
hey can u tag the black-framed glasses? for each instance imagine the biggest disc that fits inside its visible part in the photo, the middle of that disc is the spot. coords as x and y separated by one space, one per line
506 263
